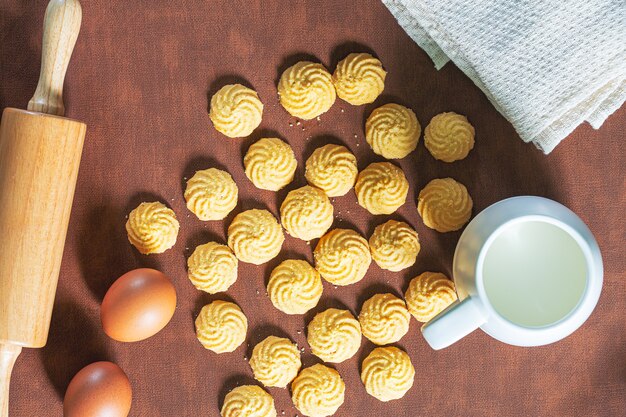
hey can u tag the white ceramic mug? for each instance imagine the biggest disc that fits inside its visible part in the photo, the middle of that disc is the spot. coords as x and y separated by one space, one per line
550 288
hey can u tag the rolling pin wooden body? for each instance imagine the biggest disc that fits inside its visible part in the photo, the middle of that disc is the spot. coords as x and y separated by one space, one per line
39 158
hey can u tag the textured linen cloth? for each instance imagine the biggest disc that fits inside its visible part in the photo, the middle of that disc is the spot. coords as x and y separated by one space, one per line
547 66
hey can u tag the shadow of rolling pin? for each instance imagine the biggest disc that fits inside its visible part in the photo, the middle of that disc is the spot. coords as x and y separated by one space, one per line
39 157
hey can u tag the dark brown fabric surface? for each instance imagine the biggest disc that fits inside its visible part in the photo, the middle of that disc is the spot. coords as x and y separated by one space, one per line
140 77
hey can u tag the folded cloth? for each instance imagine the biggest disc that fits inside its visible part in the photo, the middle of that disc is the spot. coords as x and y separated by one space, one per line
546 65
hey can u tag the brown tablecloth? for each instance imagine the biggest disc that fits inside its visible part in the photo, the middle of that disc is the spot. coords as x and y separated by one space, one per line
140 77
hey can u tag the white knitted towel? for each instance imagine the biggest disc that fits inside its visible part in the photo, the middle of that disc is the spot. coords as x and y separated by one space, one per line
546 65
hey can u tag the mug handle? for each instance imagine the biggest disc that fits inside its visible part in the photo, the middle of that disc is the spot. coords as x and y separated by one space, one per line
454 323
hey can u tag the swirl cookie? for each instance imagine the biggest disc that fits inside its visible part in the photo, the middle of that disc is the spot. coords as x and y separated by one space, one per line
394 245
275 361
294 287
236 110
212 267
152 228
248 401
211 194
333 169
387 373
318 391
306 90
221 326
255 236
392 131
306 213
384 319
342 257
429 294
359 78
445 205
270 164
381 188
334 335
449 137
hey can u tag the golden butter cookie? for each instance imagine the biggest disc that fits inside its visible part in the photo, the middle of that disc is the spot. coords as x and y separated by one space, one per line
255 236
445 205
221 326
381 188
392 131
359 78
384 319
318 391
275 361
211 194
342 257
429 294
394 245
248 401
387 373
449 137
270 164
236 110
306 213
306 90
333 169
212 267
334 335
294 287
152 228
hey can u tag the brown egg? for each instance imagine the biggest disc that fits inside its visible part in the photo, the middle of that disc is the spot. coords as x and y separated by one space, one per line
101 389
138 305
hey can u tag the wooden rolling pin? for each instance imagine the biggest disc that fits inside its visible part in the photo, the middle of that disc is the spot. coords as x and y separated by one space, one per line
39 156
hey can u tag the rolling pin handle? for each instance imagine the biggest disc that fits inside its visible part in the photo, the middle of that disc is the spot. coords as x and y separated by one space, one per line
8 355
61 26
